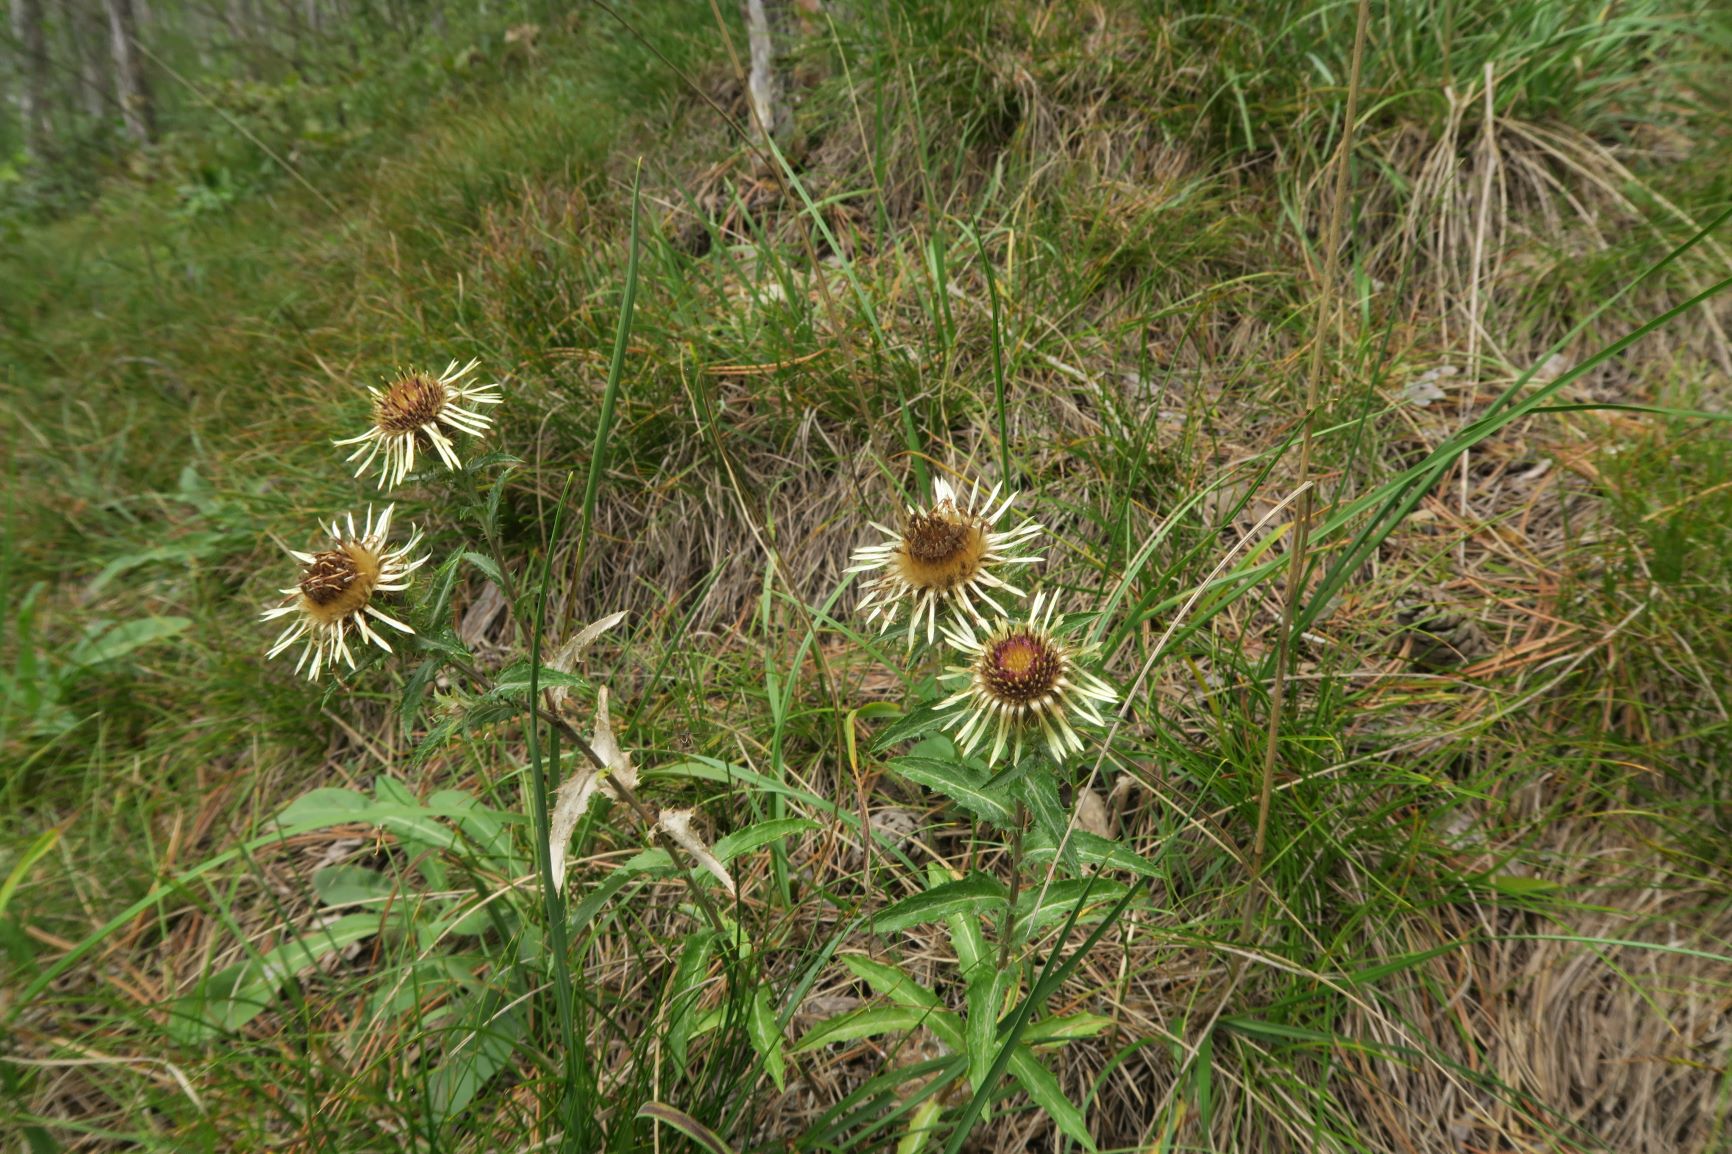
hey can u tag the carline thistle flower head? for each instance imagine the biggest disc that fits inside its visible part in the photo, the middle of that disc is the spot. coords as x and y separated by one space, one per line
408 413
1021 676
943 554
336 591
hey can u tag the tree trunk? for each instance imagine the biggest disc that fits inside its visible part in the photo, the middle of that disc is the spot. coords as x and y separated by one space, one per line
33 78
770 111
95 86
129 80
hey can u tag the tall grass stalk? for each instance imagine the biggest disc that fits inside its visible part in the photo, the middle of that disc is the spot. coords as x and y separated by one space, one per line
1302 515
610 395
553 900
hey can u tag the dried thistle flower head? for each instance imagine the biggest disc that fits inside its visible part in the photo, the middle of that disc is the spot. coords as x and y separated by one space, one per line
408 414
337 590
943 554
1021 677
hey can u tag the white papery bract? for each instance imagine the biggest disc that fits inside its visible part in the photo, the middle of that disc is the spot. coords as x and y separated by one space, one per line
336 593
1022 677
408 415
944 555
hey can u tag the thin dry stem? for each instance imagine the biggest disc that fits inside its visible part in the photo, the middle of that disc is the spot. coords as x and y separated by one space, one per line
1302 515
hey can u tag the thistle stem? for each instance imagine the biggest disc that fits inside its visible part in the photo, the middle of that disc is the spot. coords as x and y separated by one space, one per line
1015 887
621 790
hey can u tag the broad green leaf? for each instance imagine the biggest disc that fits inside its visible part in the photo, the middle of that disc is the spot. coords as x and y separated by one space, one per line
191 548
865 1022
486 827
971 894
1044 1089
921 1124
1093 850
322 807
124 638
687 986
959 782
421 989
1064 1028
234 996
1038 788
917 722
398 810
483 1048
757 836
350 885
467 918
766 1035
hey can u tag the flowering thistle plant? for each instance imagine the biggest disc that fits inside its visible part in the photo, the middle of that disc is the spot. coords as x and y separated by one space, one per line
1019 683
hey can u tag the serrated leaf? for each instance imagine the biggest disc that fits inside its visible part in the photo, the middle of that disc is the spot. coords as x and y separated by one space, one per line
1093 850
986 994
865 1022
766 1035
1042 1086
961 783
1040 907
1014 773
473 715
917 722
891 982
512 682
415 689
968 942
487 566
970 895
921 1125
687 985
759 835
1038 788
1064 1028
